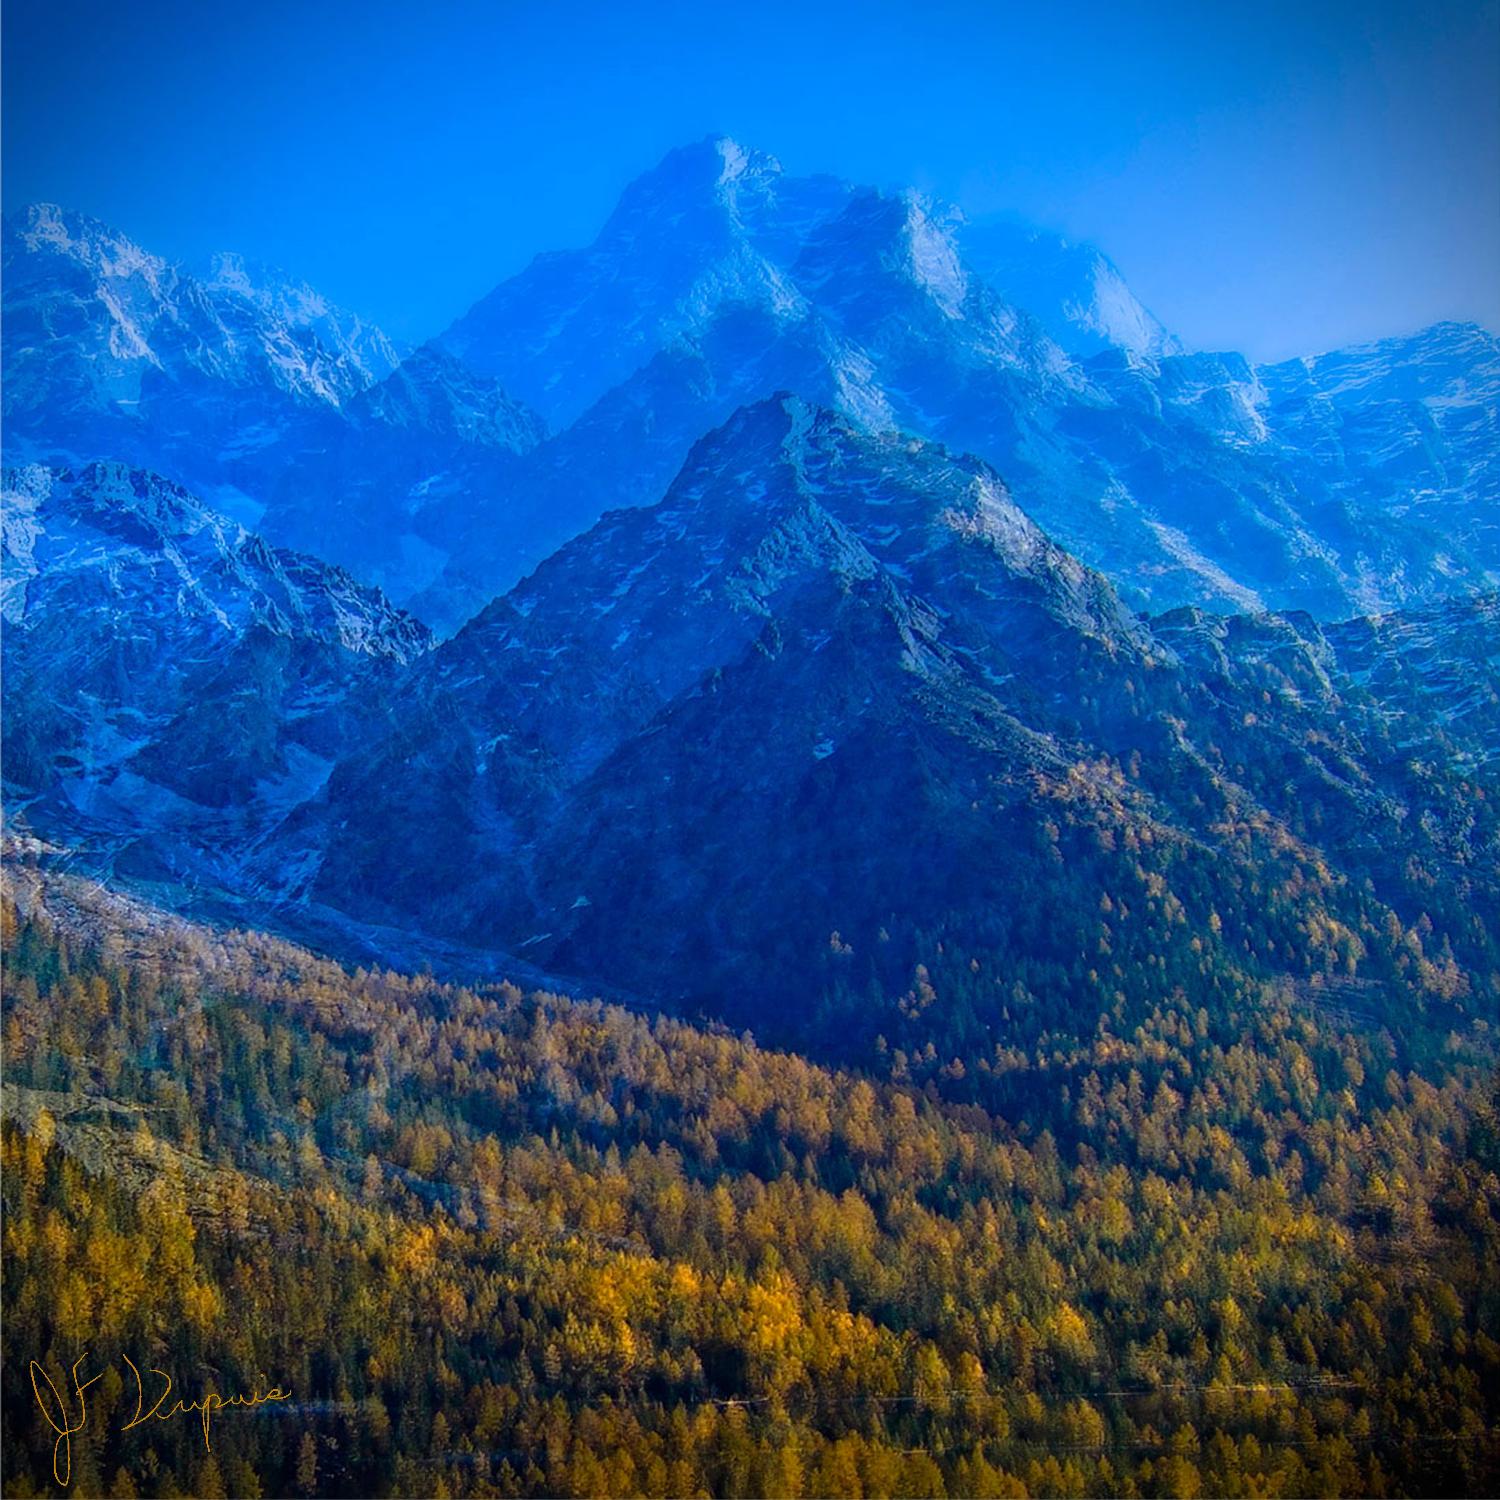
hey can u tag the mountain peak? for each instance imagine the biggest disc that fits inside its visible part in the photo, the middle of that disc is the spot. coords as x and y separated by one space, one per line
1071 287
718 158
48 229
716 177
739 161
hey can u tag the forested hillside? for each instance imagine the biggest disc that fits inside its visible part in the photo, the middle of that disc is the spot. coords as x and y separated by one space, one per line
496 1243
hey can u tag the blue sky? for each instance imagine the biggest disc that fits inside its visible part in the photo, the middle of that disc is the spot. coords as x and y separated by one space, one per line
1273 177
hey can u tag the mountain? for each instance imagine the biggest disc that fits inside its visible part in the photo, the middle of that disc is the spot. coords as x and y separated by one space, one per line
838 683
1074 290
1185 478
112 353
251 389
579 386
717 228
550 680
93 314
173 685
711 229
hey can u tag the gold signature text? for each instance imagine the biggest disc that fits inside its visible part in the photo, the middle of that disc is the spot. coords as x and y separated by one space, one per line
57 1409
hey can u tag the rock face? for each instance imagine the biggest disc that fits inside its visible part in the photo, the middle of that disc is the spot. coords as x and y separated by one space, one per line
173 685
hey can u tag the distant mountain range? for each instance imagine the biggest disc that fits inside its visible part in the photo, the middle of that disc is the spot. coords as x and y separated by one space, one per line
1348 483
816 581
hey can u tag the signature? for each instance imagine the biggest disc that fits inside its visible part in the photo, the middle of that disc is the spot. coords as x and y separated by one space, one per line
59 1417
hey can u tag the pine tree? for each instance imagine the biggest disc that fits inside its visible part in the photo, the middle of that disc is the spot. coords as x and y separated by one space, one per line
307 1465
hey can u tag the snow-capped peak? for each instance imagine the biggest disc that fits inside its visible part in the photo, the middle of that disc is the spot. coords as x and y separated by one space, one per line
47 229
132 312
740 162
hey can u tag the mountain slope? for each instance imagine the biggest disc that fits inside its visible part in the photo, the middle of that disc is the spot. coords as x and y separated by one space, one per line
839 683
691 1264
173 684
